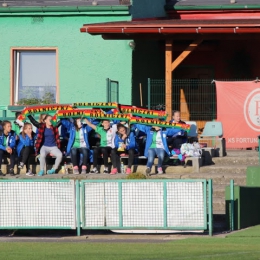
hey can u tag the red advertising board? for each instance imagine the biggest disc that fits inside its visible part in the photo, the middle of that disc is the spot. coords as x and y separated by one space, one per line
238 108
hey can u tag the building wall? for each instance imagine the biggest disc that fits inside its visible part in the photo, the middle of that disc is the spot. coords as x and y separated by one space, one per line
85 61
148 62
148 8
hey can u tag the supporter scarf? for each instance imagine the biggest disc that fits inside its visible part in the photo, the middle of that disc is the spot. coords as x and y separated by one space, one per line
153 122
88 113
110 105
142 112
43 109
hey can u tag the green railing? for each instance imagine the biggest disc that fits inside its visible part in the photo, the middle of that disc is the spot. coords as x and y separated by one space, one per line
8 112
147 204
37 204
182 205
195 97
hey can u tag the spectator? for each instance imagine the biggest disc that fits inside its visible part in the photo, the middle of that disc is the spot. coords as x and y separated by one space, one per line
124 144
7 145
78 143
25 147
107 136
156 144
175 141
47 142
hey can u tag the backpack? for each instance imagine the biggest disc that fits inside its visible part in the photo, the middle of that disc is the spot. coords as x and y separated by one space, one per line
192 150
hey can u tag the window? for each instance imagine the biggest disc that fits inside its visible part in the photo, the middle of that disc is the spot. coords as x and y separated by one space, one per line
34 77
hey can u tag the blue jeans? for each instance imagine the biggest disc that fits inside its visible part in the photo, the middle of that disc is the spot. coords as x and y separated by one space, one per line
152 152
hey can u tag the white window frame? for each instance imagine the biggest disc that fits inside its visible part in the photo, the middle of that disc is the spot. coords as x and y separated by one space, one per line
14 69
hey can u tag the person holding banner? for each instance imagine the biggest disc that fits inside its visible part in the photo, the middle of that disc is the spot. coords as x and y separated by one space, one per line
48 142
107 137
25 147
7 145
156 144
124 144
78 143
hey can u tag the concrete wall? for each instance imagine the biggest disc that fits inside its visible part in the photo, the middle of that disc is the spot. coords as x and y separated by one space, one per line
85 61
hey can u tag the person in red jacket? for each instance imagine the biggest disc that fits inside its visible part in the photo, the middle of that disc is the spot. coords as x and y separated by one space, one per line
47 142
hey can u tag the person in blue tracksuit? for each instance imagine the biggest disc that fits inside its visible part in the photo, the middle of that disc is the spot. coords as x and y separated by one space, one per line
124 144
25 147
156 144
78 143
7 145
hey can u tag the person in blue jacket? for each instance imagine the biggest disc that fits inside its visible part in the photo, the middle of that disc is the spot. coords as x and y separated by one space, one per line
25 147
7 145
78 143
156 144
124 144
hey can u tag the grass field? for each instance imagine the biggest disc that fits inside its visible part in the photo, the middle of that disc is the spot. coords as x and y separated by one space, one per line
241 245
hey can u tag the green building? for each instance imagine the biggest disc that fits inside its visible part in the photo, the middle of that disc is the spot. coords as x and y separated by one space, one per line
43 55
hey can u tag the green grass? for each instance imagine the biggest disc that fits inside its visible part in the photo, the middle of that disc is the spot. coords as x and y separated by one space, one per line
193 248
249 232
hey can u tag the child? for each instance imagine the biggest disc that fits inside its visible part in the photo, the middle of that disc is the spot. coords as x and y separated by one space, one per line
156 144
78 143
124 143
107 136
25 147
7 145
47 142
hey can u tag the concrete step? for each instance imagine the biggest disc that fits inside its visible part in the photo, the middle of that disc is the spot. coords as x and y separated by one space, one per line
242 153
234 161
219 191
219 205
234 169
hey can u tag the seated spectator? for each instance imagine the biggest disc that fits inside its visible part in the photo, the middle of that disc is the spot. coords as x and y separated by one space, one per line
25 147
107 136
156 144
175 141
7 145
124 144
47 142
78 143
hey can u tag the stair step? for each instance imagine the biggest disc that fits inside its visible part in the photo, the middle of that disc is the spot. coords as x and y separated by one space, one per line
224 169
233 161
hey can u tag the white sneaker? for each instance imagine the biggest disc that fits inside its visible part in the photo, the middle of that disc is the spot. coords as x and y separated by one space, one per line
29 173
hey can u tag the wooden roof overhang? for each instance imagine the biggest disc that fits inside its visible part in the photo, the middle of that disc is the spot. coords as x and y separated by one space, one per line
161 28
171 30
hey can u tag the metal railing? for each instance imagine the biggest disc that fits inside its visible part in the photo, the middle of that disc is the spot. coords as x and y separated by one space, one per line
147 204
195 98
181 205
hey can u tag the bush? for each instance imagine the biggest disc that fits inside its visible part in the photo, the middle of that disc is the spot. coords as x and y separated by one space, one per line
136 175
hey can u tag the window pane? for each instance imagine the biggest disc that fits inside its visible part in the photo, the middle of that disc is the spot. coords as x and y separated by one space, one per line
37 75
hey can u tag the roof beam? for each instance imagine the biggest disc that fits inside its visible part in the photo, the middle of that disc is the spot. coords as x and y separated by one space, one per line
186 53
